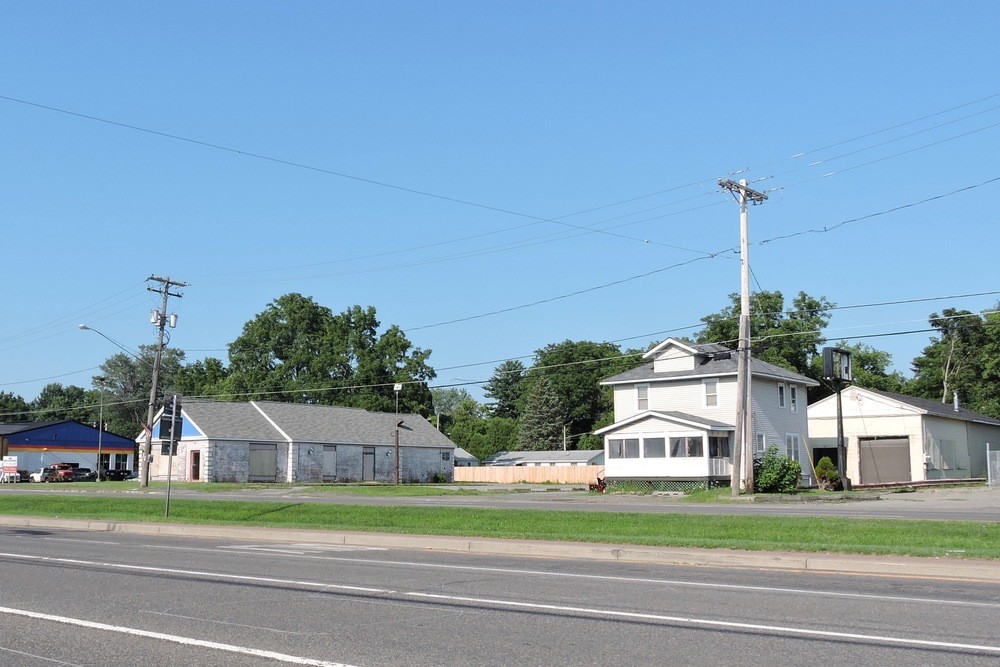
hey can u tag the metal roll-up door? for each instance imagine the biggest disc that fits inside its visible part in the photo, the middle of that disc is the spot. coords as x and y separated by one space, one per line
885 460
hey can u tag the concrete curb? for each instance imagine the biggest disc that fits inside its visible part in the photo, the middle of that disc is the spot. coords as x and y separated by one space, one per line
826 563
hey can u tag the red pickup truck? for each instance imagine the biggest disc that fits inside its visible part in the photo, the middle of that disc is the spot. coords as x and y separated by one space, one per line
64 472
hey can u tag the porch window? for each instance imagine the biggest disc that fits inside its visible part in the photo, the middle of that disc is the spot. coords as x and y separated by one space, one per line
688 447
718 446
642 396
781 395
654 448
711 393
623 448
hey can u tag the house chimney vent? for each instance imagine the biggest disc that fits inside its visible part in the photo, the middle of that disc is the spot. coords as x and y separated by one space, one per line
954 395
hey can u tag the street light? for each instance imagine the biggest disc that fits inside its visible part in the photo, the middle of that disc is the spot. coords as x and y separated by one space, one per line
143 465
100 380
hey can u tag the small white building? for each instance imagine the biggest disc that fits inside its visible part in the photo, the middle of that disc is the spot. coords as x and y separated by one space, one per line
675 416
896 438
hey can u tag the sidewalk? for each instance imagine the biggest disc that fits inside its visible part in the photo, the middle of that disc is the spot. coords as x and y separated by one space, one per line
824 563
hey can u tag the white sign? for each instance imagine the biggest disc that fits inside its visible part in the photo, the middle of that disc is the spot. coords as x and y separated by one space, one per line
9 471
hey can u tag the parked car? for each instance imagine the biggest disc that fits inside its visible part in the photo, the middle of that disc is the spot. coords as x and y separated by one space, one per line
84 475
25 475
46 474
117 475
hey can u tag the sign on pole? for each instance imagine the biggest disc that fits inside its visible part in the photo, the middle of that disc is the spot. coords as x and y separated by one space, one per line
171 423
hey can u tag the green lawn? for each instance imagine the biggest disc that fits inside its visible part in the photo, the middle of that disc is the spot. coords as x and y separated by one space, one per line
869 536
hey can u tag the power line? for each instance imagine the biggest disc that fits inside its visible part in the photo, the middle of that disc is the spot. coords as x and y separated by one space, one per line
830 228
536 219
562 296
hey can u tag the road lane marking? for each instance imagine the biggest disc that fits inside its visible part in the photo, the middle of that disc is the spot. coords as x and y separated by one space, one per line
176 639
38 657
564 575
906 641
513 604
199 573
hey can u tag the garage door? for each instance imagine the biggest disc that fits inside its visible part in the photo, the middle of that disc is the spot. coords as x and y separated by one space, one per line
885 460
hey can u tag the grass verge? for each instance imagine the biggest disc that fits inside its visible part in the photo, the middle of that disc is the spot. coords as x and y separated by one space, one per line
968 539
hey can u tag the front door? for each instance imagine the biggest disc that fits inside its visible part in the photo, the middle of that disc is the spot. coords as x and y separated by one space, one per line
195 466
329 463
368 465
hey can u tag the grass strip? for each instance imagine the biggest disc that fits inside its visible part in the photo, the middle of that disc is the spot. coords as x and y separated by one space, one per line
968 539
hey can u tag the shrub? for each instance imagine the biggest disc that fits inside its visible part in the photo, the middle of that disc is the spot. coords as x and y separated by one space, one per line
775 473
826 474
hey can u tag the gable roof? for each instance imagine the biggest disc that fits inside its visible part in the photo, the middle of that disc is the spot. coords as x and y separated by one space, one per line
926 406
271 421
716 361
669 415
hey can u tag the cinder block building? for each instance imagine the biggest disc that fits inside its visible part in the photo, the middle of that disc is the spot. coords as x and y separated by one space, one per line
264 441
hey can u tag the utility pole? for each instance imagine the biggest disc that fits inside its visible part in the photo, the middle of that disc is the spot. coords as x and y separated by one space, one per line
742 452
159 319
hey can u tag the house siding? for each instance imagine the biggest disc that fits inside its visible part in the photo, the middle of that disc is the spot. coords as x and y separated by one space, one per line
946 449
687 396
673 360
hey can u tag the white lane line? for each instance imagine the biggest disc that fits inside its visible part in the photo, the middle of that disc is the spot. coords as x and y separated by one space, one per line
661 582
710 623
4 649
176 639
567 575
198 573
523 605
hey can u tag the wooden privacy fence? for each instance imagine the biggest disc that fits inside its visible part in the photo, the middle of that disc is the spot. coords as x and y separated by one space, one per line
529 474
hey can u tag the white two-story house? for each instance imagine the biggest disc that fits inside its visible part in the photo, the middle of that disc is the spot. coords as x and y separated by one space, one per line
675 416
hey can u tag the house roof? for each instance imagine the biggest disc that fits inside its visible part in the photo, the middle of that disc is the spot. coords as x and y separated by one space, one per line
229 420
61 434
462 455
557 456
718 361
298 422
676 417
928 406
18 427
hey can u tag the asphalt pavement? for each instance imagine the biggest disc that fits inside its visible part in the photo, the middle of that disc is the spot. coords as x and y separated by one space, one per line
974 503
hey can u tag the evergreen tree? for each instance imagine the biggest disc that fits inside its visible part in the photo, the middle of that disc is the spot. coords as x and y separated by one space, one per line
506 388
541 423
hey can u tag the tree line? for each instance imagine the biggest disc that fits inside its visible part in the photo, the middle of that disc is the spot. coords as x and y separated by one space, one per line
297 350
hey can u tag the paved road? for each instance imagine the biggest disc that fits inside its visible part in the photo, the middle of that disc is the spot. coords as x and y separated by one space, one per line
85 598
946 504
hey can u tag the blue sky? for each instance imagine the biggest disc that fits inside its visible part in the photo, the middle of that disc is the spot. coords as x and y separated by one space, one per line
427 158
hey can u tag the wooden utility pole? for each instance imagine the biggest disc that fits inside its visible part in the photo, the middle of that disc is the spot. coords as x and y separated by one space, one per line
159 319
742 451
